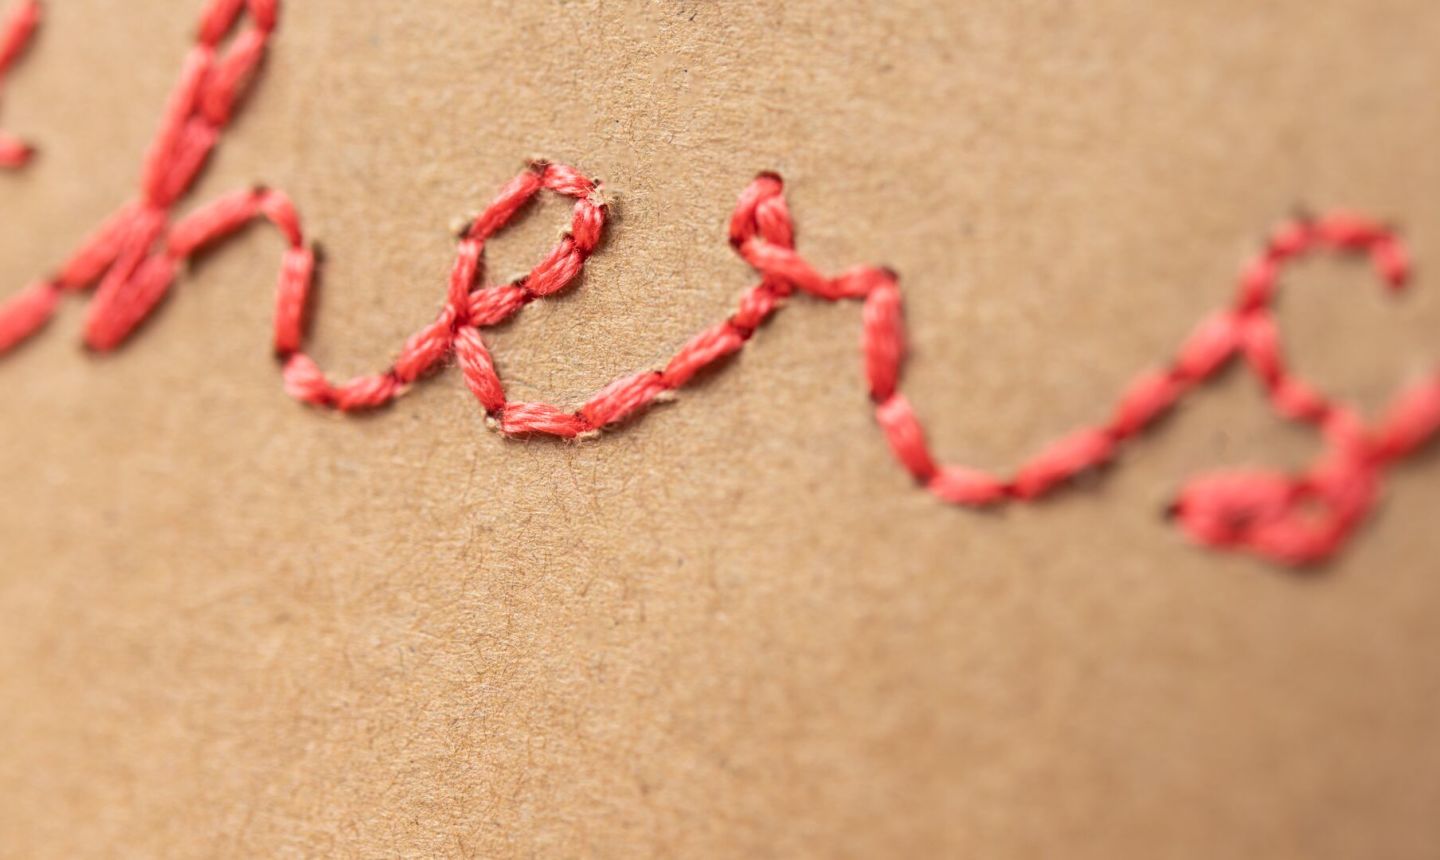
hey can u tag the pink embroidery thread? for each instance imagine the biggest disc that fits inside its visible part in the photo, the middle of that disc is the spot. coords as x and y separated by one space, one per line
16 28
1288 518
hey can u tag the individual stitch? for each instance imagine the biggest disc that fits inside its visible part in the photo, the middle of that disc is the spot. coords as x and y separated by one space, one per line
16 28
1291 518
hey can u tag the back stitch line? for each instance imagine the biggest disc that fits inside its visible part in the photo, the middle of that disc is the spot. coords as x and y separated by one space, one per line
132 259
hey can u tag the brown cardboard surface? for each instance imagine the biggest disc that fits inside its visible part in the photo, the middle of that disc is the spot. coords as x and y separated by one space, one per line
236 627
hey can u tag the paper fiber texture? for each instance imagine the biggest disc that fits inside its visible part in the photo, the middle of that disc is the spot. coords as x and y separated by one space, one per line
234 626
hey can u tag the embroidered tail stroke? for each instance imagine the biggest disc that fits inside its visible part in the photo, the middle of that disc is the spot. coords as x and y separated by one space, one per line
16 28
133 257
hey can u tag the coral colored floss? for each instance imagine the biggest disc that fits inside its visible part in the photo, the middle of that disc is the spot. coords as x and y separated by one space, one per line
119 259
1299 518
16 29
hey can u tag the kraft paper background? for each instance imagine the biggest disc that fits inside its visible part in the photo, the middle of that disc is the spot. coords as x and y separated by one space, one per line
231 626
